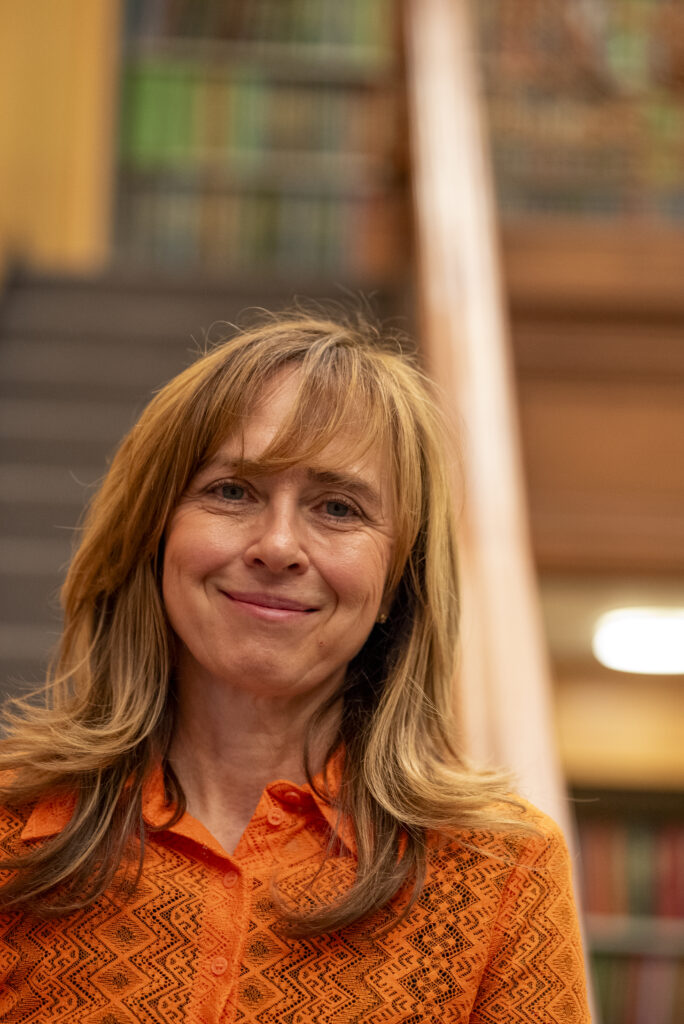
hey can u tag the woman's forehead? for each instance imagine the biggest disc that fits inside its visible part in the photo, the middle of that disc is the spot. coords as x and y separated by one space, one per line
286 422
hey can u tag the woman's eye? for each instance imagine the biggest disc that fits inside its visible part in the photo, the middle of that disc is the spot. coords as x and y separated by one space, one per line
339 509
231 492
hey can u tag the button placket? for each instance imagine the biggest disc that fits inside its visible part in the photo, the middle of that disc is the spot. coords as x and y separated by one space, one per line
226 924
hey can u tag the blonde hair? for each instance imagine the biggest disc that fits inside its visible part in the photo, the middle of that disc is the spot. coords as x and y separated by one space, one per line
108 716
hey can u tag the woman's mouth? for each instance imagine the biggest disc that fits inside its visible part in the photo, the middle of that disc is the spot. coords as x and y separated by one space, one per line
274 607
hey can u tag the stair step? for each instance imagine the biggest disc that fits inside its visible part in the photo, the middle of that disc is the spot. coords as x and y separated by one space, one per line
21 677
88 364
165 309
30 598
55 486
27 641
27 418
30 520
68 455
35 556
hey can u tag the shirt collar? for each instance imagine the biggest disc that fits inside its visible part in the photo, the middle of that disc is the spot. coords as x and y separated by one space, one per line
50 815
53 813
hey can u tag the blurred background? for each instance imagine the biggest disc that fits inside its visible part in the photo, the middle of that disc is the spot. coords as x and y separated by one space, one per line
165 164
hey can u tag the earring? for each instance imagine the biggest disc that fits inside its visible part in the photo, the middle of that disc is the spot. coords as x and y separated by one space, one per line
382 617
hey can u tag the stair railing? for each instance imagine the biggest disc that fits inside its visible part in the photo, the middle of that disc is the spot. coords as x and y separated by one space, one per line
504 685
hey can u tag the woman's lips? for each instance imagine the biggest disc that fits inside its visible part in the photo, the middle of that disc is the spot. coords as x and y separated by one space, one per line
268 606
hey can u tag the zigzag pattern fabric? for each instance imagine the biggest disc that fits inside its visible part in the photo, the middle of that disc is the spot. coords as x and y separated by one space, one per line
492 940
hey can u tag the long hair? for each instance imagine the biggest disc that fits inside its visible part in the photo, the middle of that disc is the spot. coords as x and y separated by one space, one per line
108 716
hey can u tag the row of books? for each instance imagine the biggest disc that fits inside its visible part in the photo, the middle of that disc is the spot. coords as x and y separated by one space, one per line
610 44
616 157
354 23
568 121
633 867
639 990
179 112
238 234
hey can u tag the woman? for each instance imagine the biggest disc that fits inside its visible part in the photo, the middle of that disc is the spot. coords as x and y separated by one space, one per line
242 800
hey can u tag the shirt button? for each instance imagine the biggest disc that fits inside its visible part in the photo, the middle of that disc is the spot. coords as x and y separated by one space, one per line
219 965
275 817
229 879
291 796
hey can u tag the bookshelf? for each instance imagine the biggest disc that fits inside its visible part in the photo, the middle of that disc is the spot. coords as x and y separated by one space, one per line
261 138
585 110
632 849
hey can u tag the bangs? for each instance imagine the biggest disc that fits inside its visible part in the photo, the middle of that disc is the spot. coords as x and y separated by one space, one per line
331 411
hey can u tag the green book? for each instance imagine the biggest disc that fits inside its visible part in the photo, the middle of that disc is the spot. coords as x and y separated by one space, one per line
159 112
178 90
144 111
640 868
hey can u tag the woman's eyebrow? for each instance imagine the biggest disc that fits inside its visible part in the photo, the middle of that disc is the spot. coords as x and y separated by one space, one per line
345 482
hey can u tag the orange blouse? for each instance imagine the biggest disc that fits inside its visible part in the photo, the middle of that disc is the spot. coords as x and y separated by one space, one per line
492 940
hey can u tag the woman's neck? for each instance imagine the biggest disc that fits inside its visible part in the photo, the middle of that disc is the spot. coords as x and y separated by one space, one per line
229 744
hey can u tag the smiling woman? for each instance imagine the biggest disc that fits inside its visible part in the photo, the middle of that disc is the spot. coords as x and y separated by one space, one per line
243 798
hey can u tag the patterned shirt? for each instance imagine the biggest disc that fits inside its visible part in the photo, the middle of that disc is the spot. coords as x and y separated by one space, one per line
493 938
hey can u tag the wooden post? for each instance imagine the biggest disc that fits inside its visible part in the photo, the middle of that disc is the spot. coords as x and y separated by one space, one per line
504 686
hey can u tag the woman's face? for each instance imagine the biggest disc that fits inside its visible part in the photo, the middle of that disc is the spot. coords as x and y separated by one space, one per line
272 582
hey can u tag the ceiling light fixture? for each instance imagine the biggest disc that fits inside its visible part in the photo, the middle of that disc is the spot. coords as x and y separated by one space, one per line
643 640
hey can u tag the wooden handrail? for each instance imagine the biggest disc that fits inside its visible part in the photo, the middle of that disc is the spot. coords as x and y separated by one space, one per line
504 686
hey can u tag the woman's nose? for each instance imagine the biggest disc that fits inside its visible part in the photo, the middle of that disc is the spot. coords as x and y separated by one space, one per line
277 543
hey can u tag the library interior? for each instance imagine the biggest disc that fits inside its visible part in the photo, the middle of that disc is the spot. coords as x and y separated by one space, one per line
503 181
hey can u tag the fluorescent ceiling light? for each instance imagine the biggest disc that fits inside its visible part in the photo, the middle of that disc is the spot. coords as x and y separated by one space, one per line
645 640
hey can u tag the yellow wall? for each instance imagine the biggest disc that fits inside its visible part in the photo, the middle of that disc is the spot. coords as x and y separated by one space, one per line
58 64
